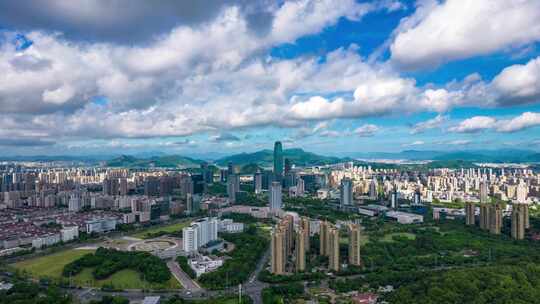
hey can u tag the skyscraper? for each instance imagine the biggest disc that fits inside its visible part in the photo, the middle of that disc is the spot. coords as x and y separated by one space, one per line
346 192
278 161
233 187
354 245
323 238
469 213
257 180
333 249
300 248
484 216
373 189
518 221
278 255
275 196
483 192
304 223
495 219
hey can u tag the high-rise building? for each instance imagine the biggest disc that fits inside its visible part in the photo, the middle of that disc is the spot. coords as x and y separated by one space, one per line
346 192
278 255
193 203
483 192
417 197
333 249
518 222
278 161
495 219
233 187
287 224
300 187
300 248
373 189
275 196
288 165
522 192
305 225
484 216
200 233
469 213
258 181
354 245
323 238
394 198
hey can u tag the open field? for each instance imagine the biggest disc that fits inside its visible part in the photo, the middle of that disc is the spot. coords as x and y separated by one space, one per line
52 265
124 279
143 234
388 237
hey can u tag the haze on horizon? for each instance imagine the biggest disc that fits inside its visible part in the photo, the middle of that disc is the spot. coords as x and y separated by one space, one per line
328 76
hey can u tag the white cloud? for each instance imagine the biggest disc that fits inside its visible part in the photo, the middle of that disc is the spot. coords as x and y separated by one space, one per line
521 122
414 143
458 29
474 124
518 83
433 123
479 123
366 130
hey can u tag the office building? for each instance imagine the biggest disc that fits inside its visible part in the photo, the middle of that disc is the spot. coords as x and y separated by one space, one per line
346 192
200 233
258 182
354 245
300 248
333 249
278 161
373 193
275 196
233 187
278 256
469 214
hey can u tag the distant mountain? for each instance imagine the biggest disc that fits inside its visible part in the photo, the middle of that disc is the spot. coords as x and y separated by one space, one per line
502 155
167 161
265 158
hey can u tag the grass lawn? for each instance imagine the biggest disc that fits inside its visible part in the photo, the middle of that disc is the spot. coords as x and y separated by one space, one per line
143 234
50 265
388 237
124 279
53 264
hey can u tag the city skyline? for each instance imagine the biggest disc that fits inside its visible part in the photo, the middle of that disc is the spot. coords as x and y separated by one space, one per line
332 77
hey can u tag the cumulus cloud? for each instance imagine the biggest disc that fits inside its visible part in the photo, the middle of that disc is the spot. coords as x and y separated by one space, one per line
366 130
458 29
480 123
429 124
474 124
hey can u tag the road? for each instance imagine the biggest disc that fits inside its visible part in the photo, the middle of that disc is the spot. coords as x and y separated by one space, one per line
182 277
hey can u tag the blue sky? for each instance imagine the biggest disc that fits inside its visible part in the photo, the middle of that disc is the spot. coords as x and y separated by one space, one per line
333 77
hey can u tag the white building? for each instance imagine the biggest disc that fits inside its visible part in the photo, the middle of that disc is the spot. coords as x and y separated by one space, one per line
200 233
227 225
405 217
46 240
100 225
275 197
69 233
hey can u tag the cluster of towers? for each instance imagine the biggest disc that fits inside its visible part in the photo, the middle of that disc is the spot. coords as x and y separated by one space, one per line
284 237
491 218
289 243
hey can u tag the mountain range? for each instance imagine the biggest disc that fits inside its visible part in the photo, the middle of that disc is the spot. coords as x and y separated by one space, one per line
299 157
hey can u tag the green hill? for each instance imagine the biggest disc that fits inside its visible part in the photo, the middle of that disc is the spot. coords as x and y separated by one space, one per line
168 161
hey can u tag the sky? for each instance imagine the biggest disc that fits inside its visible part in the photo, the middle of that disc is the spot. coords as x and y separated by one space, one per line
221 77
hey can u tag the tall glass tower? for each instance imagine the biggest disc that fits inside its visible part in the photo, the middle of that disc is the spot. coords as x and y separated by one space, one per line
278 159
